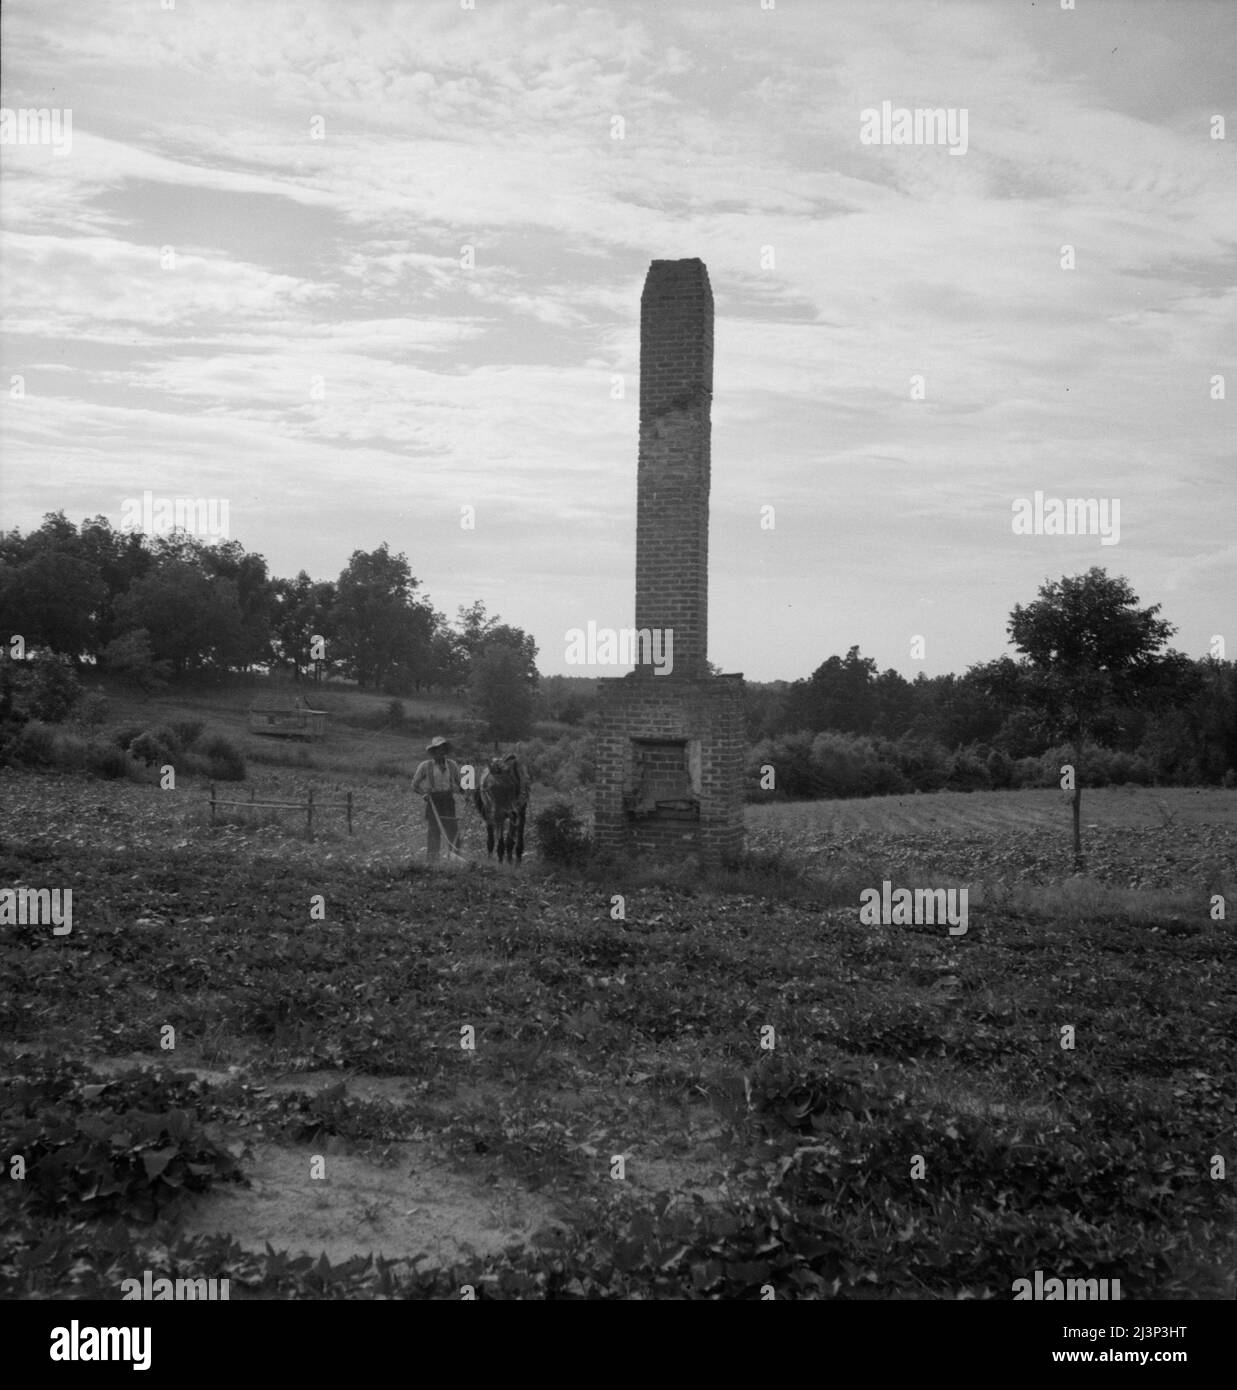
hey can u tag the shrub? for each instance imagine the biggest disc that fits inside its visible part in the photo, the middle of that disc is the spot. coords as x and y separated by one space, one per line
103 760
968 771
55 689
36 745
125 735
168 737
131 658
561 834
186 732
923 763
790 756
226 763
1000 768
395 714
70 752
91 710
563 764
150 749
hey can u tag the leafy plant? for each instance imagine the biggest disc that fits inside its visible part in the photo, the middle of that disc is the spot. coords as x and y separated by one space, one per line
561 834
55 688
225 761
130 1147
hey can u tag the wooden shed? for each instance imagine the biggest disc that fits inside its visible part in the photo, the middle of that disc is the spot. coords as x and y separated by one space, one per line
286 717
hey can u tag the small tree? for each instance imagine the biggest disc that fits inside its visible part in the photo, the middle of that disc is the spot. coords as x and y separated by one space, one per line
1090 648
130 657
55 688
501 694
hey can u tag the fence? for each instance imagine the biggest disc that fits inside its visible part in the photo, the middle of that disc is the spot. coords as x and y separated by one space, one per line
309 806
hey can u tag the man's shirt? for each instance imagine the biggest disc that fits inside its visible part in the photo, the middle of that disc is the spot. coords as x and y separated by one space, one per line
429 777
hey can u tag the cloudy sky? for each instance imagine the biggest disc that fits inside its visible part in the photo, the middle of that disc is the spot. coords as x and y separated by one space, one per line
316 352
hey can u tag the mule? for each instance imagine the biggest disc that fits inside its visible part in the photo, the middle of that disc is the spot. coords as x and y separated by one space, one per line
502 801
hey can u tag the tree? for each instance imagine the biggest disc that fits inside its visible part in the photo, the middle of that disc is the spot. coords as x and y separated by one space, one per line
192 620
1090 647
130 657
500 692
382 632
246 571
49 592
839 695
479 632
302 610
55 688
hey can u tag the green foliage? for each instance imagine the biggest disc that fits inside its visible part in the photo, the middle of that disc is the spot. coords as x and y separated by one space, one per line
131 657
501 694
561 835
35 745
54 689
90 712
150 749
890 1042
564 764
226 763
105 761
131 1147
185 732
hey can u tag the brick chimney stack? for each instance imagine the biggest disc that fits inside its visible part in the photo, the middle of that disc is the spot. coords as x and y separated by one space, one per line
672 476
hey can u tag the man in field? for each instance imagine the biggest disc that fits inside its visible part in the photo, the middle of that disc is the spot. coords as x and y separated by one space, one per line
437 779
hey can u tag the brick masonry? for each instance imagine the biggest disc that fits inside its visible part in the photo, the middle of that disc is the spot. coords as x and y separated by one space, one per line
700 715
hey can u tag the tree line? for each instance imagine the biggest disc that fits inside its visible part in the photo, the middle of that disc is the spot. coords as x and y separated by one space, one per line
153 608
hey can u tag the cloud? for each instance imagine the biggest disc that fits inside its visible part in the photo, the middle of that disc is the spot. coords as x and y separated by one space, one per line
324 346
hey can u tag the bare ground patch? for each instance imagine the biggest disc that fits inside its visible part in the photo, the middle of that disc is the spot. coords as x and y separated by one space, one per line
411 1208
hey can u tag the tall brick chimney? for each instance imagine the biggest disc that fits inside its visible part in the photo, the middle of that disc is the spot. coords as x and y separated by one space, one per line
668 748
672 474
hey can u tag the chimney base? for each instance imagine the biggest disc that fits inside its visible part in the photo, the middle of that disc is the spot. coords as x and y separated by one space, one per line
669 767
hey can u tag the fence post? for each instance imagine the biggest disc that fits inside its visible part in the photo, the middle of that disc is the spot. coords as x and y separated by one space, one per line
349 813
309 814
212 803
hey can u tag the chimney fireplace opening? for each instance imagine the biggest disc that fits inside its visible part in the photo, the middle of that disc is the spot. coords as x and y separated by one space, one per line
665 779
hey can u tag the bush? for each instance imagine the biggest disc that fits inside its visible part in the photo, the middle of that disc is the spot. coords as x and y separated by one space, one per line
35 745
150 749
561 834
185 732
55 689
91 710
968 771
130 657
70 751
168 737
1000 768
105 761
125 735
225 762
564 764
